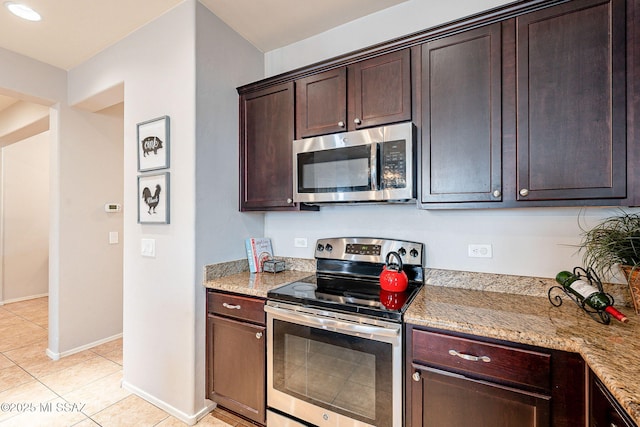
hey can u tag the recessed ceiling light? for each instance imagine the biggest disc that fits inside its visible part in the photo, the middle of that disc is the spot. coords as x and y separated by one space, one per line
23 11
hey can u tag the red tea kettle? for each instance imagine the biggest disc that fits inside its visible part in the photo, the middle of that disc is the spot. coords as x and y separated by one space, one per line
393 278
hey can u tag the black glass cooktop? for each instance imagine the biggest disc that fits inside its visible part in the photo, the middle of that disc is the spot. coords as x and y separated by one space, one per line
352 295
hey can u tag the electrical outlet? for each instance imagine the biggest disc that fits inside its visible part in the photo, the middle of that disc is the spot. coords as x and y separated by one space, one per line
480 251
300 242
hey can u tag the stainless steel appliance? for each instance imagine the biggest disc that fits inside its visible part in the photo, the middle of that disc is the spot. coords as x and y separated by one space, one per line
368 165
334 339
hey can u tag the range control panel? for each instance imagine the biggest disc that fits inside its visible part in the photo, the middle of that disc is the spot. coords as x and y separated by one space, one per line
369 249
362 249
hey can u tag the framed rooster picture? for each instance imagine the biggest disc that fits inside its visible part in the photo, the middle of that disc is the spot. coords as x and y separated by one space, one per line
153 199
153 144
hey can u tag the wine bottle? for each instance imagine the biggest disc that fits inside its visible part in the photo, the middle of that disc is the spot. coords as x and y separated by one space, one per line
588 293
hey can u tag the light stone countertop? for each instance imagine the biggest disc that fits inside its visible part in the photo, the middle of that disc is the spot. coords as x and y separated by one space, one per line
510 308
234 276
611 351
255 284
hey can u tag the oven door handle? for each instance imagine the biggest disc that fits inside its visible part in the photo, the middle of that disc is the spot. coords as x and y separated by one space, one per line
333 324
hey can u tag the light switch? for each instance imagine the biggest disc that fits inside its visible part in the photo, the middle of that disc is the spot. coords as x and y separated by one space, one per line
113 237
148 247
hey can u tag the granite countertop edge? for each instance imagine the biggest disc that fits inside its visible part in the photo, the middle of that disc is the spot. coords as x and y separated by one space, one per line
234 276
504 307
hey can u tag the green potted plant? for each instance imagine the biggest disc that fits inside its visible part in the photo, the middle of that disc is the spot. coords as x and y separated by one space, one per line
615 241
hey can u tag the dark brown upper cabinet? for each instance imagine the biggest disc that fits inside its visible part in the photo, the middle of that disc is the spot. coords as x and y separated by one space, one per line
462 117
571 102
368 93
534 103
531 111
266 134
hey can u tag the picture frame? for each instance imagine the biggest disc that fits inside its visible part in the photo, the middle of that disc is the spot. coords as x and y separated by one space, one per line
153 144
153 198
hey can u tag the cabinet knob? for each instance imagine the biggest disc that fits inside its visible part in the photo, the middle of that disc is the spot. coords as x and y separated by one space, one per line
341 123
258 335
416 376
289 200
497 193
357 121
524 192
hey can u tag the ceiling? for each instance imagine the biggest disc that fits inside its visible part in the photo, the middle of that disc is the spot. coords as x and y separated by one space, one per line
71 31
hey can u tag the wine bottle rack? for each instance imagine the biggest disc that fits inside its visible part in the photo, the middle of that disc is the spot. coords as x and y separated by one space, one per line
589 275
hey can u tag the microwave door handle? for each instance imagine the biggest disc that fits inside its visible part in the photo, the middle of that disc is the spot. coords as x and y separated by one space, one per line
375 166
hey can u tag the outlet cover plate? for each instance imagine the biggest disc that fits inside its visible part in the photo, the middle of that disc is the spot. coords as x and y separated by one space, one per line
480 251
300 242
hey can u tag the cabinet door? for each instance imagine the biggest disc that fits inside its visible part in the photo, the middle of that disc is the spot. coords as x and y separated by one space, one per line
443 399
321 103
238 361
571 106
604 410
266 137
461 117
380 90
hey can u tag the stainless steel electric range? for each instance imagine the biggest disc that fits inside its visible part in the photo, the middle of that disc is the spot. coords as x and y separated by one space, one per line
334 349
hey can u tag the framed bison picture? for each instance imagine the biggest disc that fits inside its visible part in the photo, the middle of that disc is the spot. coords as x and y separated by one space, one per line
153 199
153 144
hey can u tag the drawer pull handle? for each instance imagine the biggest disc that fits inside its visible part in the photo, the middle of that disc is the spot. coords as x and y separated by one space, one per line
231 307
470 357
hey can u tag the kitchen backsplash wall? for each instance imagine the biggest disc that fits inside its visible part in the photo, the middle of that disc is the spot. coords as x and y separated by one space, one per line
536 242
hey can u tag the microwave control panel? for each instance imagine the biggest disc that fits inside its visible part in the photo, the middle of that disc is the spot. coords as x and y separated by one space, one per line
394 164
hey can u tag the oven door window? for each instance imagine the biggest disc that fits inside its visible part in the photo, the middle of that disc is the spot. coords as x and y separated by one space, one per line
336 170
342 373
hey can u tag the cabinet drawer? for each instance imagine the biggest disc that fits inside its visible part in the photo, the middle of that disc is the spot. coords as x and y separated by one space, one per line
494 362
238 307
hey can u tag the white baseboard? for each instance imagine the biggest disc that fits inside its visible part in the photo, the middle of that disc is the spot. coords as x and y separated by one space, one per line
57 356
9 301
185 418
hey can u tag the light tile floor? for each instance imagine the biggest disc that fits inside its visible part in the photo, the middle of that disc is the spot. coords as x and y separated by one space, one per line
79 390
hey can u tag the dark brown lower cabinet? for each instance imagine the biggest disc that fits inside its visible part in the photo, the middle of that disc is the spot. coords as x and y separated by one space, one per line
458 380
453 400
236 354
604 410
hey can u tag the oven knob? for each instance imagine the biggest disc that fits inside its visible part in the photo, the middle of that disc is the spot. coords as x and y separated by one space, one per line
402 251
413 253
320 247
328 247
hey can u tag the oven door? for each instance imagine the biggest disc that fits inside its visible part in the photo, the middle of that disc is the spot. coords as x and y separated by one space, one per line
332 369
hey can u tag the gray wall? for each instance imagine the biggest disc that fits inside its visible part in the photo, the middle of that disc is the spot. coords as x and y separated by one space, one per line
224 60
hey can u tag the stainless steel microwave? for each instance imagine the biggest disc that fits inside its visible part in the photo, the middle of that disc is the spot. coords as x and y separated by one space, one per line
368 165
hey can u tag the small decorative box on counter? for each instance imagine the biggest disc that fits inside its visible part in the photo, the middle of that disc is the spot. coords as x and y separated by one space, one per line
273 266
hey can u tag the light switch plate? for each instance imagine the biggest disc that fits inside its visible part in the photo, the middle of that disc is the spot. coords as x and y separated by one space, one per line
113 237
148 247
